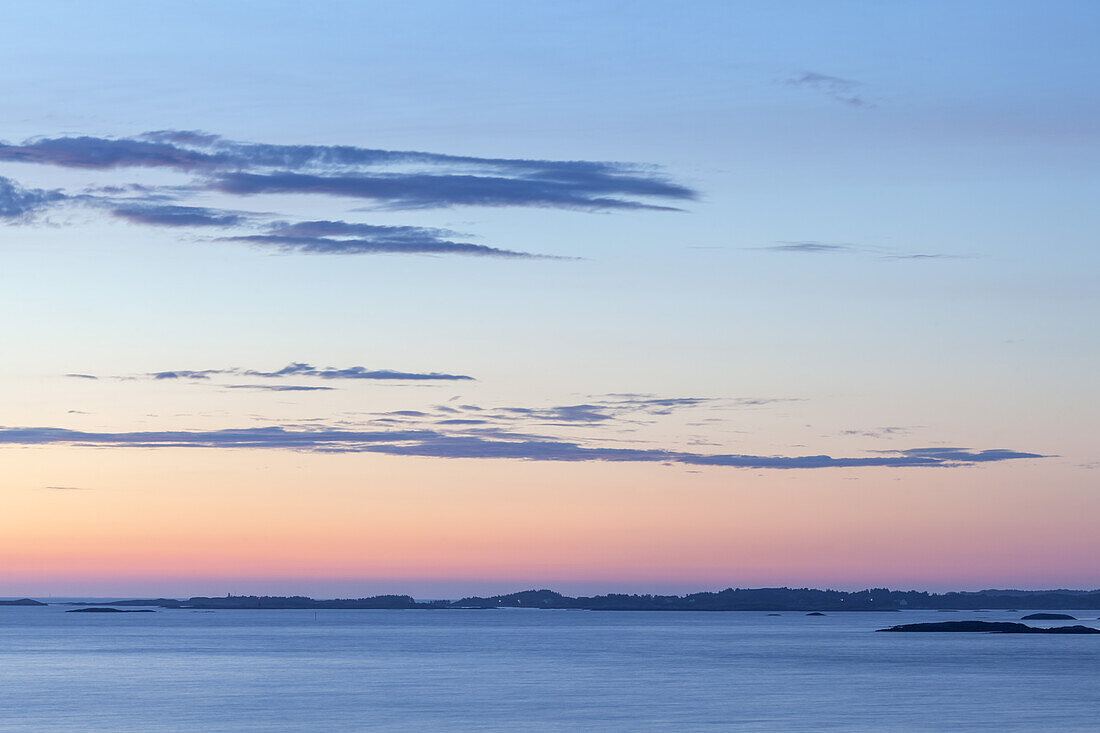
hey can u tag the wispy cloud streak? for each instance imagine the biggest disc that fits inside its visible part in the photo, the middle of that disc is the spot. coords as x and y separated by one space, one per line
430 443
815 248
297 369
169 215
301 369
836 88
382 179
388 178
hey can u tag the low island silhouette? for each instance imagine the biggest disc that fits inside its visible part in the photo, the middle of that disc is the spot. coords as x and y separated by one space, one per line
991 627
730 599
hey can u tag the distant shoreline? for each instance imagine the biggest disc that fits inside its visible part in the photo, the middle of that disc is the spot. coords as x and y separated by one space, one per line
741 599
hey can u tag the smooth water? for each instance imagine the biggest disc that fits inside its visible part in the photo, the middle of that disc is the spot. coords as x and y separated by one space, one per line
236 670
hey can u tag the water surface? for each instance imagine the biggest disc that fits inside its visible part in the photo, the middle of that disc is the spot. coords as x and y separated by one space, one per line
545 670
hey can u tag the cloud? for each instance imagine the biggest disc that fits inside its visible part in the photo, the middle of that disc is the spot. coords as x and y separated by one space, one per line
389 178
431 443
280 387
810 247
561 414
383 179
920 256
420 191
609 412
298 369
841 90
883 432
168 215
596 412
184 374
106 153
344 237
301 369
19 203
67 488
382 240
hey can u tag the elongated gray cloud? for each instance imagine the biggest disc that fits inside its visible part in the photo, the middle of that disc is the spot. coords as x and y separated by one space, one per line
832 248
106 153
300 369
387 178
422 191
608 413
810 247
380 179
383 240
280 387
185 374
430 443
345 237
17 202
170 215
836 88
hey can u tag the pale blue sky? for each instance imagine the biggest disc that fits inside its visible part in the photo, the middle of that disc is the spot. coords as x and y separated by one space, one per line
895 222
976 139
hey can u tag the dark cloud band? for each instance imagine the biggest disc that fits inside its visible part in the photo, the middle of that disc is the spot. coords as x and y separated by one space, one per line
429 443
389 178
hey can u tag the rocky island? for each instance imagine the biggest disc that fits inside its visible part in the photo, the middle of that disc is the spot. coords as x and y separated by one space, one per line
990 627
22 602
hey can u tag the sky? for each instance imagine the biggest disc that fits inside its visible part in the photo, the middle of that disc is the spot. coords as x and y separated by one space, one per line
436 298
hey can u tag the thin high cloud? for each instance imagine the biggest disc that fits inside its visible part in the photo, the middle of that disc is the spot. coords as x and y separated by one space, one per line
171 215
810 247
818 248
386 178
615 418
836 88
279 387
602 412
302 369
297 370
349 238
889 431
434 444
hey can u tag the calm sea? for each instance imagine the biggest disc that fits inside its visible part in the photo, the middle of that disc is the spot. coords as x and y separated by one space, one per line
178 670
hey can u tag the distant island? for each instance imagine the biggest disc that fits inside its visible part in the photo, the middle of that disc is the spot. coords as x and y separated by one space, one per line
110 610
22 602
731 599
990 627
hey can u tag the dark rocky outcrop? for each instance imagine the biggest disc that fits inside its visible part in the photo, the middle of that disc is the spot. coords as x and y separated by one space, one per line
22 602
110 610
1049 617
995 627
